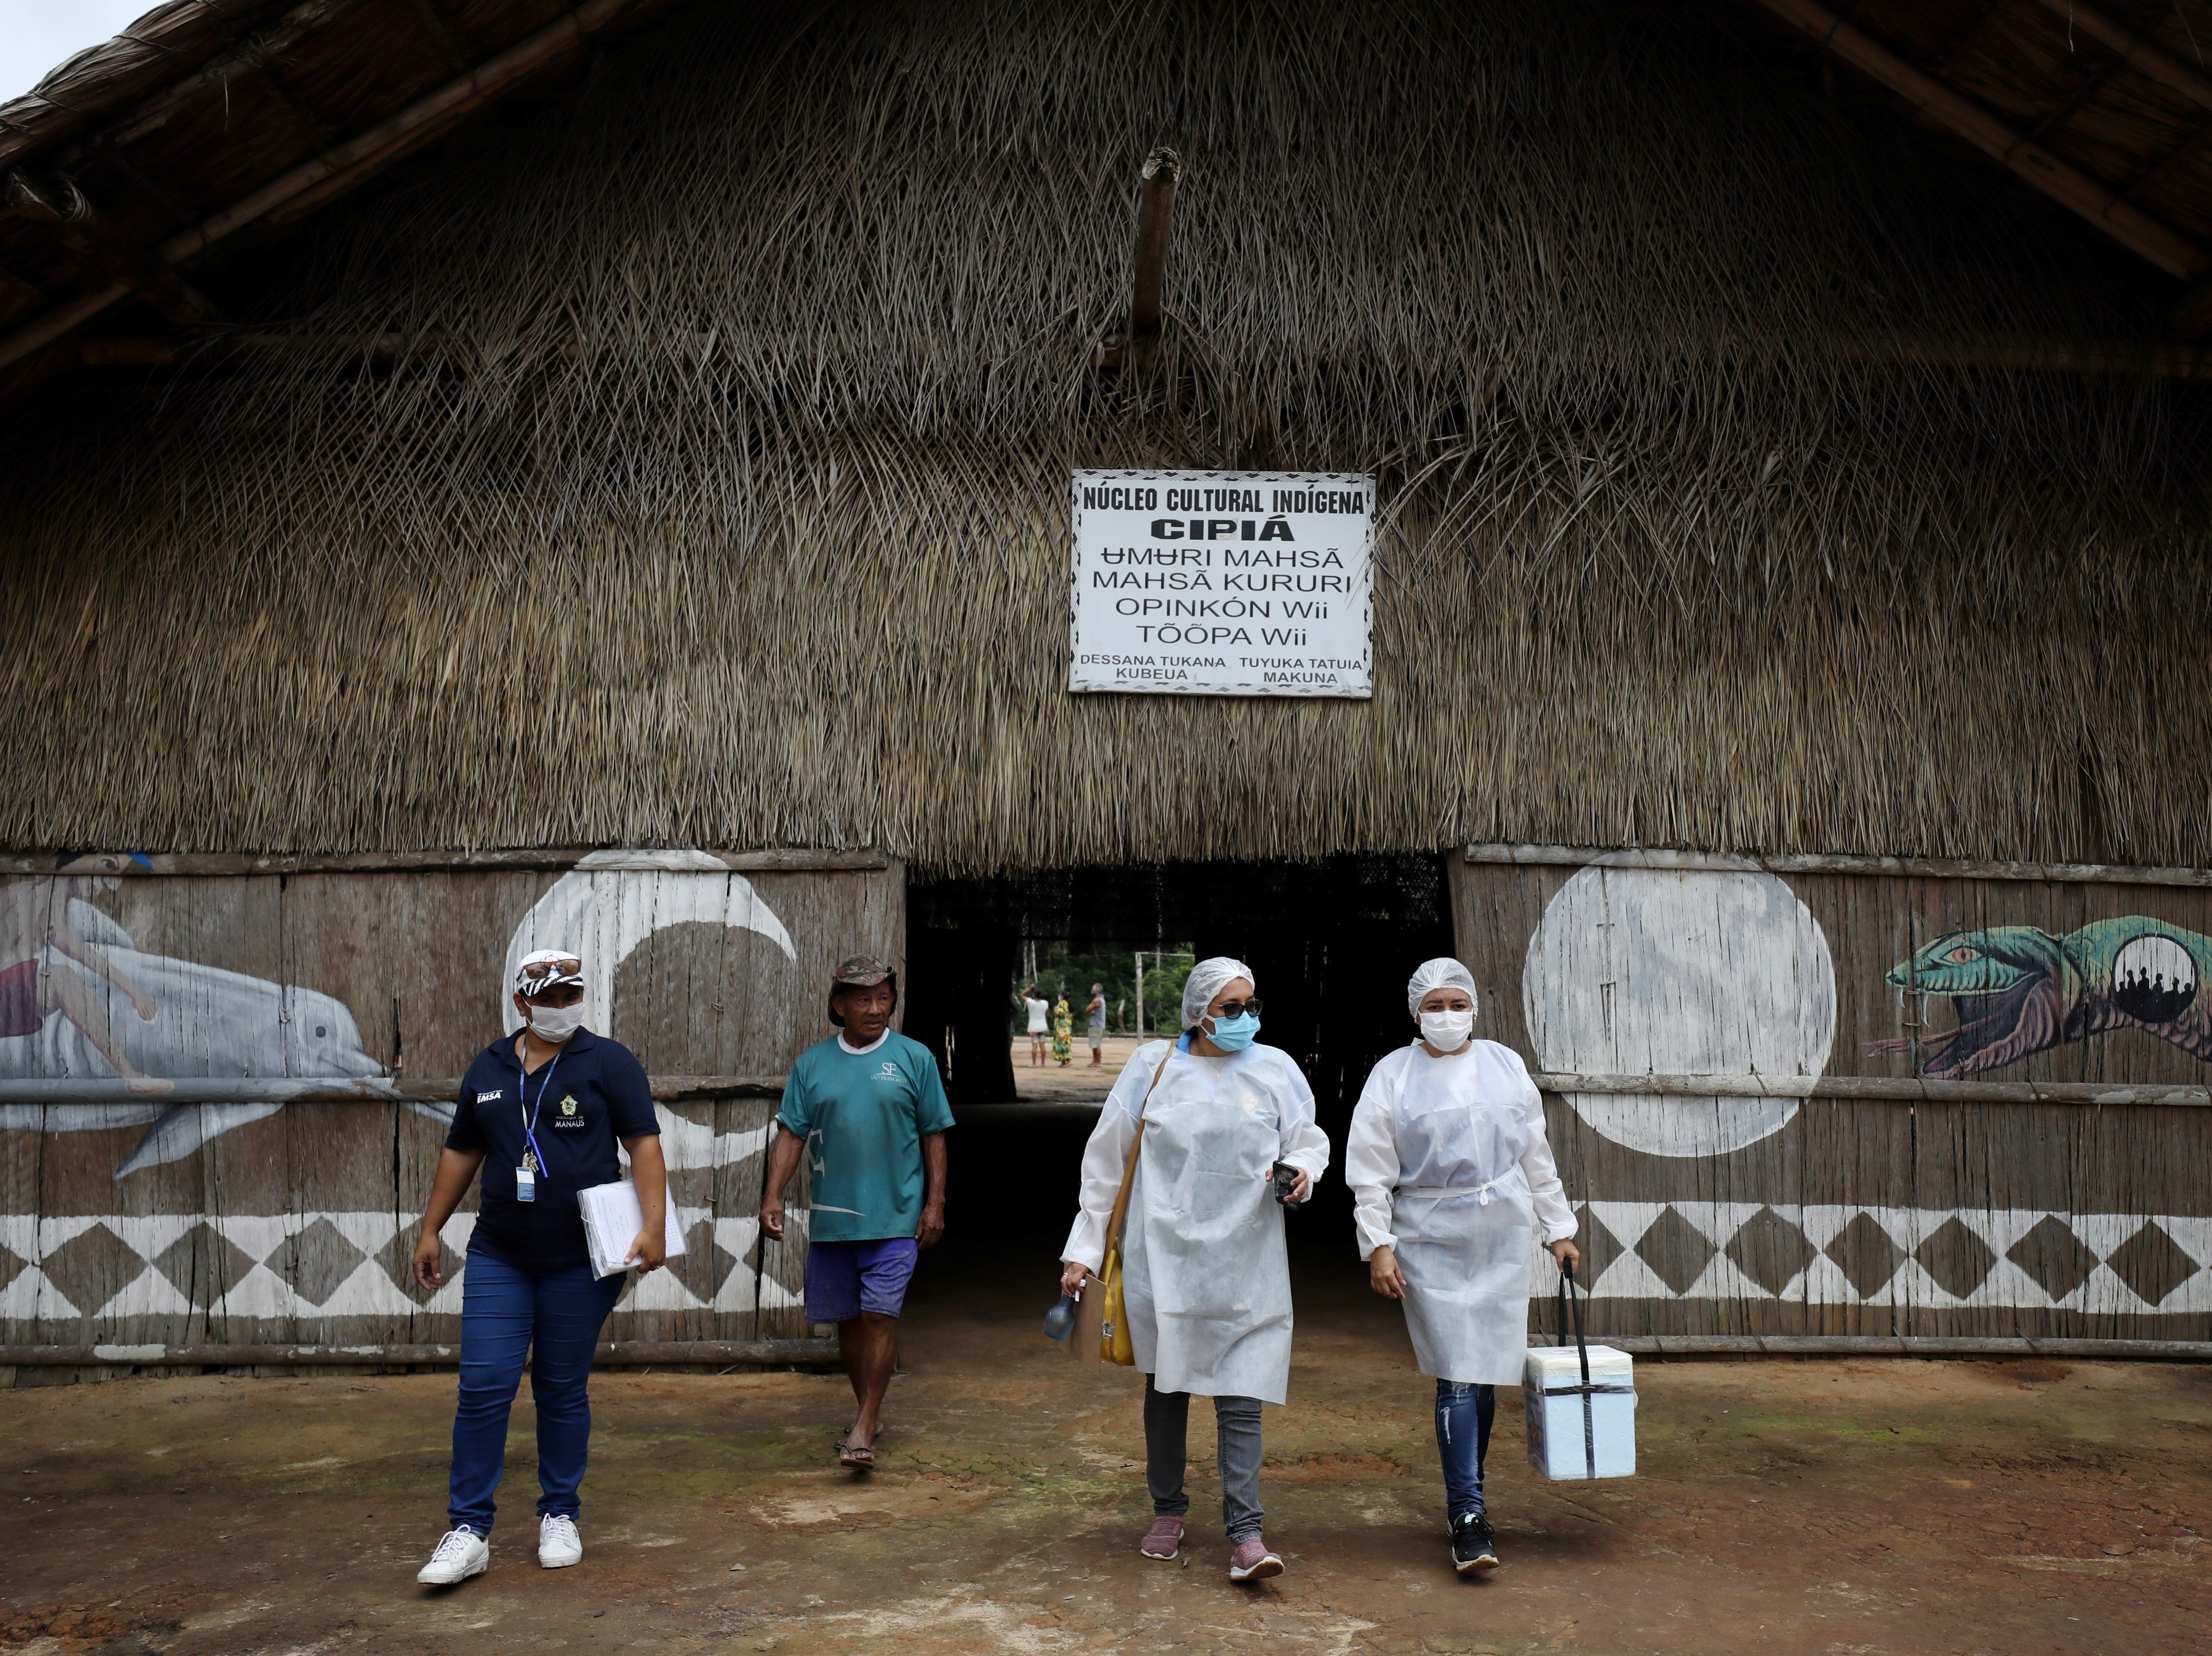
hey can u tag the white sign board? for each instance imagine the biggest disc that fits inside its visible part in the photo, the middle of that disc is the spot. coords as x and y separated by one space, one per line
1223 583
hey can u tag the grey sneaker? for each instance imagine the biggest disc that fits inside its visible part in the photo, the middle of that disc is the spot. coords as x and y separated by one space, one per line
1164 1539
1252 1562
1471 1552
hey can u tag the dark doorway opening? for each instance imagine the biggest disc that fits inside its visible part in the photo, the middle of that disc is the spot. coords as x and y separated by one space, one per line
1332 943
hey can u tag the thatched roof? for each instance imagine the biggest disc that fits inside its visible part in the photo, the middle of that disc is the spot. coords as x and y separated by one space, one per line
734 403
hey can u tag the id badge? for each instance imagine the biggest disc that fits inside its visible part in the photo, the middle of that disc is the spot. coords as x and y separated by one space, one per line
525 1184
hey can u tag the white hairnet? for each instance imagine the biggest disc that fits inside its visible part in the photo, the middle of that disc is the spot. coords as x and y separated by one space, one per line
1205 981
1435 974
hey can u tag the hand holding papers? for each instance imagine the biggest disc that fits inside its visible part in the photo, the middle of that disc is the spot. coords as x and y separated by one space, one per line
612 1220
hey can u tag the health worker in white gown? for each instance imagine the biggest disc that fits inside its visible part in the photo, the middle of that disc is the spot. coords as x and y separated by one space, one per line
1206 1280
1450 1171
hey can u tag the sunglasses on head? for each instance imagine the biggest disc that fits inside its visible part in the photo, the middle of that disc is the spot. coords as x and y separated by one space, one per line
536 971
1238 1009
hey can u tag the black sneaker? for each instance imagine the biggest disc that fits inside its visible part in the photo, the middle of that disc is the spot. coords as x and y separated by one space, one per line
1472 1553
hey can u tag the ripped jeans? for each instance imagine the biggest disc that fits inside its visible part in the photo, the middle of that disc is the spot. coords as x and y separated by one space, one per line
1464 1414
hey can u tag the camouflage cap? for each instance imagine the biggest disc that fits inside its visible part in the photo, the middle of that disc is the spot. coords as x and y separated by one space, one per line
860 971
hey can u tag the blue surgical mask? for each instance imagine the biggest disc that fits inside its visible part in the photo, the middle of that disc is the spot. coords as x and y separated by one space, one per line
1235 1034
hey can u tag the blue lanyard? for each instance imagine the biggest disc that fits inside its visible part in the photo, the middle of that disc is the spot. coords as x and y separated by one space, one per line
522 1097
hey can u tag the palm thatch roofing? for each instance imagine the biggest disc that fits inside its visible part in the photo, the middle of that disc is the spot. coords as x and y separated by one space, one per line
688 463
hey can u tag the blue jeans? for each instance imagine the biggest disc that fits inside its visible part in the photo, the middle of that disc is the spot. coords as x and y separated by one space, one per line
505 1311
1464 1414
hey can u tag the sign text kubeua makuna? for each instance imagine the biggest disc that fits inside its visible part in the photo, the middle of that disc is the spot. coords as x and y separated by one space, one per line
1223 583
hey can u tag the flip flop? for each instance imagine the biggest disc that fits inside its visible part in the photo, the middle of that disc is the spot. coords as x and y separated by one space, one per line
860 1457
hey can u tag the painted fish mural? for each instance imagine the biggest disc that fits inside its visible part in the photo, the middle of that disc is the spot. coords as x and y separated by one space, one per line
2019 990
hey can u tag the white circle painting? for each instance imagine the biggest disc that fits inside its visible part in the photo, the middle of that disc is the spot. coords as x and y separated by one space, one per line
1659 971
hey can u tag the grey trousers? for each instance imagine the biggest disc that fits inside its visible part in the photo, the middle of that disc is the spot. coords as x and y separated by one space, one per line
1237 1425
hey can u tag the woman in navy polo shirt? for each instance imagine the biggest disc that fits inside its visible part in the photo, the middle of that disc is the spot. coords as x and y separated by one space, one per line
539 1113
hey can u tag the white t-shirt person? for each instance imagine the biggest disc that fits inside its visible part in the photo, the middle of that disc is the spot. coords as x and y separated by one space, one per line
1040 1015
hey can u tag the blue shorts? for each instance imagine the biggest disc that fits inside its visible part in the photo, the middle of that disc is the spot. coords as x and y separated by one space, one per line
844 1279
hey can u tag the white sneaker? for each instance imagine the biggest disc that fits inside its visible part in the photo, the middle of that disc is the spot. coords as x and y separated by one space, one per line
461 1554
558 1544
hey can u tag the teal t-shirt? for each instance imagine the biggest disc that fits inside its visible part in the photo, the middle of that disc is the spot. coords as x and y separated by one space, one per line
863 1115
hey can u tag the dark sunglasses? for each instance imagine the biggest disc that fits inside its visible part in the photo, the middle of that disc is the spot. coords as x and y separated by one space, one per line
1238 1009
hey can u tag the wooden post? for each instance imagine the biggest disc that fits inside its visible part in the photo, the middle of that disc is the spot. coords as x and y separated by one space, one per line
1155 215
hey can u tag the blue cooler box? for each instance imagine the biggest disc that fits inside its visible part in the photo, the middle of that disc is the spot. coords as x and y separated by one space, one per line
1575 1432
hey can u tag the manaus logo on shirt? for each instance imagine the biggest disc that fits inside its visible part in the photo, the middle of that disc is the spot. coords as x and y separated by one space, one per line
568 1104
570 1116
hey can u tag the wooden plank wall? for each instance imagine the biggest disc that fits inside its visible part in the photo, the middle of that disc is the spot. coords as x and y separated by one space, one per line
1847 1216
294 1224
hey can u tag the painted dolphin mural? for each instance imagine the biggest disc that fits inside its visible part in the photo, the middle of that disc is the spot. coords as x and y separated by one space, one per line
2019 990
208 1023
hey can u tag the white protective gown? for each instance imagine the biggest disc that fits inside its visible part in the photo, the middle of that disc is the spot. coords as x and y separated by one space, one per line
1449 1166
1206 1282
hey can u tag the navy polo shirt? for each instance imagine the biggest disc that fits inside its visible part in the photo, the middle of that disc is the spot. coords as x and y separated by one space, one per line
593 1094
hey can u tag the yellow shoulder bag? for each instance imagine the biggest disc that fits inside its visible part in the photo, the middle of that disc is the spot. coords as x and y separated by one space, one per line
1113 1345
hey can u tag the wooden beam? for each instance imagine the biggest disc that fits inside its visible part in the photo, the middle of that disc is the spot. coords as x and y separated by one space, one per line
306 1090
2125 223
822 1351
616 1354
1917 868
345 166
1922 1346
283 36
259 62
2141 54
2118 357
1863 1089
11 282
2092 84
334 1089
441 27
2191 317
71 220
228 864
2151 170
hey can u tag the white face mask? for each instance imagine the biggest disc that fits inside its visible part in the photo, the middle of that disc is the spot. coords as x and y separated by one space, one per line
556 1023
1447 1032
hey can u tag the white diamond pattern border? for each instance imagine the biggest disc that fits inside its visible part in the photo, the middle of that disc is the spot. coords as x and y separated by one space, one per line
366 1291
1823 1282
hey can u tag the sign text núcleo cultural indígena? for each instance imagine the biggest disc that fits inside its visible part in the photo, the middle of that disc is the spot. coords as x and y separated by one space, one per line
1223 583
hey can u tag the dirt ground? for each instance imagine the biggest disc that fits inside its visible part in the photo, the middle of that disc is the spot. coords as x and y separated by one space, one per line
1078 1081
1814 1507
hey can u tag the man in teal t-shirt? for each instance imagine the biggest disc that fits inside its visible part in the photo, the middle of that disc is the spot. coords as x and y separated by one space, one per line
868 1111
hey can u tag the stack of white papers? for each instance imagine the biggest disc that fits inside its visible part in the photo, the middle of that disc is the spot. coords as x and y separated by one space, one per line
612 1219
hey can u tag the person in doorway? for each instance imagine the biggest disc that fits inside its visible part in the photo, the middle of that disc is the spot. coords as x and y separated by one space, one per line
1096 1014
1040 1015
1206 1280
540 1112
1063 1030
867 1107
1450 1168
